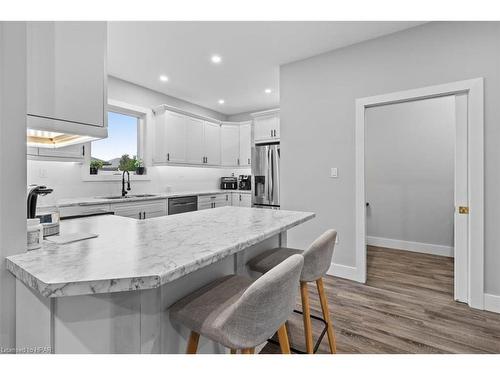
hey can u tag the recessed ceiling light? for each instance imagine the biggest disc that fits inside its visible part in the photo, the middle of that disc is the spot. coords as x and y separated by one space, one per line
221 101
267 91
216 59
163 78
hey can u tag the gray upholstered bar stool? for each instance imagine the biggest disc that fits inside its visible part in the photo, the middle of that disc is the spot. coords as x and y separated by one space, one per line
317 260
239 312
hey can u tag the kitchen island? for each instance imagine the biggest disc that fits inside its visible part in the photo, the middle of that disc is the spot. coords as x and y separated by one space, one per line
111 294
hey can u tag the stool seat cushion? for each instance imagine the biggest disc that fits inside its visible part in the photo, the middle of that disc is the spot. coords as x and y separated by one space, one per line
269 259
206 309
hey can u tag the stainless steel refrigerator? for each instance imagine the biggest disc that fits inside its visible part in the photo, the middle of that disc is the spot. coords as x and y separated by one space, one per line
266 171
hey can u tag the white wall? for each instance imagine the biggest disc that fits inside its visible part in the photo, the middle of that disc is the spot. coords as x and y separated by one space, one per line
318 119
65 178
12 166
409 170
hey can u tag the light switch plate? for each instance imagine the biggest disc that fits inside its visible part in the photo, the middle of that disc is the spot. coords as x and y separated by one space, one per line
334 173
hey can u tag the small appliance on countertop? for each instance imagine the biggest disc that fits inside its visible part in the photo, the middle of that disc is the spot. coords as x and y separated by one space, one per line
228 183
49 217
245 182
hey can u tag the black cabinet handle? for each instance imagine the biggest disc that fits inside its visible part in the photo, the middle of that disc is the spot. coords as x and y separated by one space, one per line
144 215
168 156
249 161
140 215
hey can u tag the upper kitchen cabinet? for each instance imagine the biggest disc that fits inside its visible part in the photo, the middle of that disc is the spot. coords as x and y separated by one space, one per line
170 138
230 144
212 143
245 144
266 126
66 78
195 129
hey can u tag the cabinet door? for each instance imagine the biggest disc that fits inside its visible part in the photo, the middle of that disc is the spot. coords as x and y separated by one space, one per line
264 128
175 128
66 71
194 140
245 144
228 199
212 143
277 124
154 209
69 152
245 200
160 140
230 145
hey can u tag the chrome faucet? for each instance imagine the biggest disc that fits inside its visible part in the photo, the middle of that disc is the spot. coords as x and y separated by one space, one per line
124 192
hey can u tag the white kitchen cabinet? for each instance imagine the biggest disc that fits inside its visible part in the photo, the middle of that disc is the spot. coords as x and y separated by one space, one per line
245 144
141 210
195 139
241 199
170 138
70 153
66 73
267 128
213 201
230 145
212 143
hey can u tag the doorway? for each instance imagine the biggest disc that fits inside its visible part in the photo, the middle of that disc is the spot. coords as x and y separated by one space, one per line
468 182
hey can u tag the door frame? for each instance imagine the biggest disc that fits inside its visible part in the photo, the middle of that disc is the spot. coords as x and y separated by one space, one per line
474 88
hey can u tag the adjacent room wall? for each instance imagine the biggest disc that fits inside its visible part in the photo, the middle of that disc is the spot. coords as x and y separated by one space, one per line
65 177
409 172
318 120
12 168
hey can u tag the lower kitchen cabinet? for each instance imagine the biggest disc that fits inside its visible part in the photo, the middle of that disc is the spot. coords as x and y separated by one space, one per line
214 201
141 210
242 200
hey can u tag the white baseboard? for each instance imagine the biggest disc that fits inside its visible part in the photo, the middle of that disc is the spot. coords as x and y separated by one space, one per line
345 272
492 302
419 247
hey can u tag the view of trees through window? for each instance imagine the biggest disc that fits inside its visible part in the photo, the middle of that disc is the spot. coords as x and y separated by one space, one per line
119 150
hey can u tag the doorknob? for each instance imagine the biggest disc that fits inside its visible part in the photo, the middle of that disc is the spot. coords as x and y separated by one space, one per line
463 210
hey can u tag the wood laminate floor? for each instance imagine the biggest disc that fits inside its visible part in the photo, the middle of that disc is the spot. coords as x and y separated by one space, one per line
406 306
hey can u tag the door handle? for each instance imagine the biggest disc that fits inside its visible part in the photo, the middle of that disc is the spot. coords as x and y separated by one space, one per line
144 215
464 210
140 215
248 160
168 156
271 133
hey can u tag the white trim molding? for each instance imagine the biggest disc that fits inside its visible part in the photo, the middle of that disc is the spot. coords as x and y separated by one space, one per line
492 302
475 145
345 272
418 247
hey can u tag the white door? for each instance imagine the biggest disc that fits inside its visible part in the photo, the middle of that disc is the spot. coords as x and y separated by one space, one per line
195 141
66 71
461 222
175 128
212 143
230 145
245 144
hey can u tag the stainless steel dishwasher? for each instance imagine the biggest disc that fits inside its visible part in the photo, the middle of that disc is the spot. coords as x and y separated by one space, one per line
182 204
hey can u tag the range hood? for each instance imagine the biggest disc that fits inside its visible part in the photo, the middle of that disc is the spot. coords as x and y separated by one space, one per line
52 133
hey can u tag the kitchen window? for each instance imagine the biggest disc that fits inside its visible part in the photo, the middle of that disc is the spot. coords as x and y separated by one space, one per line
122 149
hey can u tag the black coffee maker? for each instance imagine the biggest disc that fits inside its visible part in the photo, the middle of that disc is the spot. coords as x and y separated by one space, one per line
32 195
245 182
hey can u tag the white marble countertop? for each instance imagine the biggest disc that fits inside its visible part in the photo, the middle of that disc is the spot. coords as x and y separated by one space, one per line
89 201
133 254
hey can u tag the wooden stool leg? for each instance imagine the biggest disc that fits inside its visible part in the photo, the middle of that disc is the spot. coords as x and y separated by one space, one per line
192 345
283 339
248 351
306 314
233 351
326 315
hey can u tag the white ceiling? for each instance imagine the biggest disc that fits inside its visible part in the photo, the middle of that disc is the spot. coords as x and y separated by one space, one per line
251 54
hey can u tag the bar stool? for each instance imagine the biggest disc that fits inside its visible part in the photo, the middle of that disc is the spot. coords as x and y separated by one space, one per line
317 260
239 312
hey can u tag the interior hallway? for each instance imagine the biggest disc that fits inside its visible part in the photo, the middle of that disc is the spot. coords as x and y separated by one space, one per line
406 306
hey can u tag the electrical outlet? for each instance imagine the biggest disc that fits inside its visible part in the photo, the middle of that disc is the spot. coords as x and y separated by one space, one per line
334 173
